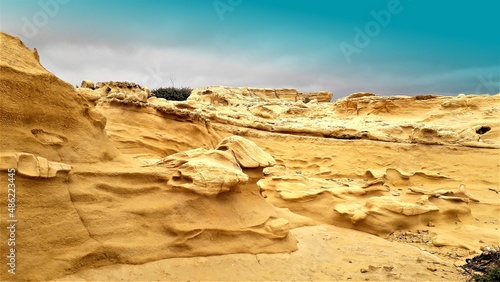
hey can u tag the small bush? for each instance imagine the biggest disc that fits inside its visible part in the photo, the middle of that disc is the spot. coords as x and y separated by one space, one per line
493 275
172 93
484 267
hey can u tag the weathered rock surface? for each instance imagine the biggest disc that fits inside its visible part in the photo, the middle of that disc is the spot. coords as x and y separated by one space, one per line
30 165
246 152
237 170
209 173
401 119
87 84
224 96
124 91
82 203
41 114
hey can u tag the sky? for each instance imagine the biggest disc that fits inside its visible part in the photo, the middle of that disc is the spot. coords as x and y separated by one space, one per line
388 47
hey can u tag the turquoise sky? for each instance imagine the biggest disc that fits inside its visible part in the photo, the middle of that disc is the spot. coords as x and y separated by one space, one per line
383 46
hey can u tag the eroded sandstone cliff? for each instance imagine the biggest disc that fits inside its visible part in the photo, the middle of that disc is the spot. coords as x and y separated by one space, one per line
110 177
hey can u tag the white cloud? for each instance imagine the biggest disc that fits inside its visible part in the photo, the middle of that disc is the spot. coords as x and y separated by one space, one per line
153 66
197 67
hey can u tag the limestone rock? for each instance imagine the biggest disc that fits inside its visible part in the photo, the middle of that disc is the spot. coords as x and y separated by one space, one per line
395 205
206 172
218 95
278 227
89 94
266 111
31 165
28 165
87 84
7 160
276 170
320 96
225 96
460 194
126 91
383 205
210 172
181 158
270 94
359 95
35 103
97 118
246 152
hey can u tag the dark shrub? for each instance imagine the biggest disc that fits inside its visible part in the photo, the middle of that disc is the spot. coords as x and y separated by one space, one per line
493 275
484 267
172 93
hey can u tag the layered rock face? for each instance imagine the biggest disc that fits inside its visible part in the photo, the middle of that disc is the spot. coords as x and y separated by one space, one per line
42 114
84 201
111 177
210 172
125 91
362 175
222 95
421 119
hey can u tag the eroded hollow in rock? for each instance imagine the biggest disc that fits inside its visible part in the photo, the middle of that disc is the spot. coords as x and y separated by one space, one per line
483 129
48 138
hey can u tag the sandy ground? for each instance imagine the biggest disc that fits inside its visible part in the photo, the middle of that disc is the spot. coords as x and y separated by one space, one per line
325 253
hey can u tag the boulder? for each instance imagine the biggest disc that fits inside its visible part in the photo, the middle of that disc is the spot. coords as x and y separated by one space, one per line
87 84
246 152
126 91
206 172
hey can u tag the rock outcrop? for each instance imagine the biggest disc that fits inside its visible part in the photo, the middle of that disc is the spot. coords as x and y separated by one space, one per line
224 96
125 91
360 116
238 170
30 165
41 114
246 152
210 172
206 172
83 203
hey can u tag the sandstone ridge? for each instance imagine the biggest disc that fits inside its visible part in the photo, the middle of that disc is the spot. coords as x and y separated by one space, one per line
113 182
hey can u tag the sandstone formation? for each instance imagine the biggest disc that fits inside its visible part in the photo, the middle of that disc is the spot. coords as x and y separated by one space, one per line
246 152
41 114
210 172
125 91
221 95
88 84
81 203
206 172
30 165
116 184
